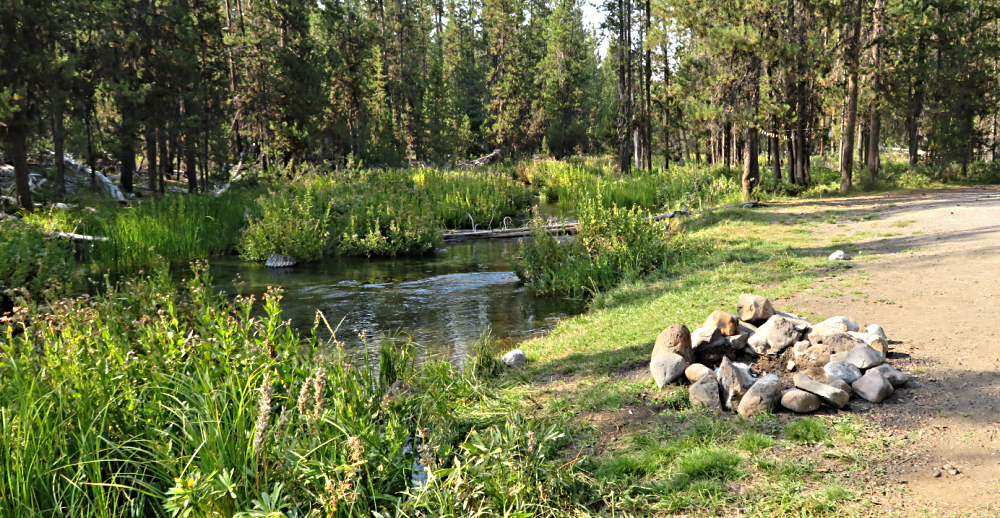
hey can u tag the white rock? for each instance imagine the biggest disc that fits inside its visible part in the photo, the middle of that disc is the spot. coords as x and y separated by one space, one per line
666 368
846 325
845 371
839 255
876 329
515 358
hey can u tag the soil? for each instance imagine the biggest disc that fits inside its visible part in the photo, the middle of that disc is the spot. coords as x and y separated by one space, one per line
926 267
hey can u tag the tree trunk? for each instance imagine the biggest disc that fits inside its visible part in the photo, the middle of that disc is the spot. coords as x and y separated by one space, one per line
775 150
127 164
916 106
875 124
19 146
751 166
161 141
853 51
190 163
58 139
150 136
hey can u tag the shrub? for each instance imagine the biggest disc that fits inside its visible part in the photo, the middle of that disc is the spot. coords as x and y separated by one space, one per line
383 231
292 222
32 265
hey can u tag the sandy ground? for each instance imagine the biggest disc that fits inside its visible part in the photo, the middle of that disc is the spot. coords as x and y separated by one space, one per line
928 270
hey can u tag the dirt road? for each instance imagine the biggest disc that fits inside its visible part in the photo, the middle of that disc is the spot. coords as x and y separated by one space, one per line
928 270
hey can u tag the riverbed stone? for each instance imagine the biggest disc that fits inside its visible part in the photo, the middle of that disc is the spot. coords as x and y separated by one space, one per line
515 358
800 401
754 308
666 368
674 339
776 335
761 397
705 392
696 371
865 357
845 371
876 329
830 395
895 377
726 322
873 386
845 324
734 381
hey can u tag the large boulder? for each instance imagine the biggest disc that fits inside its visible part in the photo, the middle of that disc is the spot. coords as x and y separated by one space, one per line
800 401
674 339
761 397
666 368
845 371
844 324
873 386
734 381
776 335
864 357
892 375
830 395
726 322
754 308
696 371
705 392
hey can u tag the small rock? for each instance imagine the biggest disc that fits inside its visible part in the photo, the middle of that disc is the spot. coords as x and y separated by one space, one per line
830 395
838 342
873 386
843 323
878 343
725 322
836 382
734 380
876 329
754 308
696 371
790 366
674 339
666 368
280 261
515 358
706 339
839 255
937 473
738 342
761 397
864 357
705 392
844 371
801 349
800 401
795 319
776 335
892 375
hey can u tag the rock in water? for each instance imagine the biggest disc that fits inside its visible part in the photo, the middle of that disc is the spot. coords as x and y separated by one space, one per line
674 339
705 392
734 380
515 358
800 401
845 371
726 323
892 375
830 395
864 357
280 261
697 371
873 386
762 396
754 308
776 335
839 255
666 368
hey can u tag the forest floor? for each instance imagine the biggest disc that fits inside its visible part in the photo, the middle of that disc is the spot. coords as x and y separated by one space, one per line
931 281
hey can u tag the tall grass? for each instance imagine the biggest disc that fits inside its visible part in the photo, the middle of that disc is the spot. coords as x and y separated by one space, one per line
32 265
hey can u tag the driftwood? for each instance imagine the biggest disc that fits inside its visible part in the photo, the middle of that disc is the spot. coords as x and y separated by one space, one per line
481 161
553 229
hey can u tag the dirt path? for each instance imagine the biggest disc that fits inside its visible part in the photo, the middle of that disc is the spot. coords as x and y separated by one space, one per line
934 285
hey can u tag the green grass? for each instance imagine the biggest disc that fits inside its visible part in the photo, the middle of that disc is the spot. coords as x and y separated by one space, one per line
808 430
903 224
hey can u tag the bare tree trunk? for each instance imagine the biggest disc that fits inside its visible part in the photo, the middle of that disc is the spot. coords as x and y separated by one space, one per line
190 164
150 135
916 107
19 146
58 140
161 140
751 166
853 51
875 124
127 164
775 150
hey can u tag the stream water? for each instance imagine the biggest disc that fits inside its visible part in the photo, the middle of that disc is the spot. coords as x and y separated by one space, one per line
441 301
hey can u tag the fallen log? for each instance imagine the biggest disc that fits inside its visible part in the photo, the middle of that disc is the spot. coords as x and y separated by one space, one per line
481 161
553 230
81 238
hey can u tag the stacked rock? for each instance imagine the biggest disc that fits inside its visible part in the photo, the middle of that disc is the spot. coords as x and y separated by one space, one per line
799 353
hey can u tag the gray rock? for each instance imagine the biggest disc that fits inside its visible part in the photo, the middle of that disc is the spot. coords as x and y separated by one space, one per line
873 386
838 342
674 339
515 358
734 381
836 382
839 357
666 368
696 371
876 329
892 375
818 355
801 349
843 323
747 328
753 308
800 401
738 342
864 357
844 371
705 392
706 339
830 395
878 343
761 397
839 255
795 319
280 261
776 335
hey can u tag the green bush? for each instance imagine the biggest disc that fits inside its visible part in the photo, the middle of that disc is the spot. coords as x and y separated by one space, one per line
383 231
33 266
292 222
611 245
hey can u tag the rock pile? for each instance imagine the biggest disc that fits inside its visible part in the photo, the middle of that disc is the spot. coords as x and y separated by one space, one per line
800 366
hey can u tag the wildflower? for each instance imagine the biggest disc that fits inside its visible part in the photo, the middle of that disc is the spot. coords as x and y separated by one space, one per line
263 413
